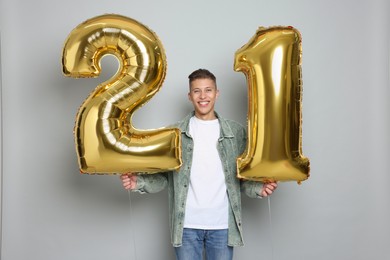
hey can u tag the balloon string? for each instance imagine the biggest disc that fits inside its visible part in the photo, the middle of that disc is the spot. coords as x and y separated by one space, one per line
132 227
270 224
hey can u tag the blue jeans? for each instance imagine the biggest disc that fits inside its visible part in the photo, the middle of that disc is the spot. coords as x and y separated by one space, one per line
195 241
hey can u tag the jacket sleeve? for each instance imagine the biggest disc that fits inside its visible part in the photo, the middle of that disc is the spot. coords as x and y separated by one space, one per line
251 188
151 183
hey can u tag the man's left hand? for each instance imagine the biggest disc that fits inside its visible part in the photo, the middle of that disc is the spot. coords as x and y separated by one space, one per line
268 188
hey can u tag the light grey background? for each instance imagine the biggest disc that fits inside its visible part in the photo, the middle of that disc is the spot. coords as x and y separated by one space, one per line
50 211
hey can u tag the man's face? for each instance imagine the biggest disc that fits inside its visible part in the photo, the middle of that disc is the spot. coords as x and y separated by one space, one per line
203 94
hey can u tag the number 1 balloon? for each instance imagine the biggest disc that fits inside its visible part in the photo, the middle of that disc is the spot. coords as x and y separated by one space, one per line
271 62
106 141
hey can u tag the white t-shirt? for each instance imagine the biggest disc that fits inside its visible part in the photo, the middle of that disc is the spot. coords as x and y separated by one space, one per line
207 201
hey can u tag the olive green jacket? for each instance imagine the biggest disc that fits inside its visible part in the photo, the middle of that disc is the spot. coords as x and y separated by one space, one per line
231 144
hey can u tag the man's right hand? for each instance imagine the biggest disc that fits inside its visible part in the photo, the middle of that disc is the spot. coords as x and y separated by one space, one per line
129 181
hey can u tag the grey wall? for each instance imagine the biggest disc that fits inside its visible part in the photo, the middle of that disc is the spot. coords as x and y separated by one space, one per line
50 211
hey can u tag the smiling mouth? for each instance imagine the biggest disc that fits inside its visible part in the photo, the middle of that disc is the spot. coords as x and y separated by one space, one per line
203 103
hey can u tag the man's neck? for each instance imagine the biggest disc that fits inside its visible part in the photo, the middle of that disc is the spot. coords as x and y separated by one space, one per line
210 116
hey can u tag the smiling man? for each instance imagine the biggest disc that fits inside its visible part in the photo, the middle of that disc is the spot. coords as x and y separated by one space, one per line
205 195
203 94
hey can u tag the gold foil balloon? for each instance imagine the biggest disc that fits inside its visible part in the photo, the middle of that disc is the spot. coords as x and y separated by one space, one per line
106 141
271 62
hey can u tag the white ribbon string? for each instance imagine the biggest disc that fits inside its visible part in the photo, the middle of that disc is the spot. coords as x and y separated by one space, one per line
270 225
132 228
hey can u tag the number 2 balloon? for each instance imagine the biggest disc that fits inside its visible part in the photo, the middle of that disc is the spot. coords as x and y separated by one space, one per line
106 141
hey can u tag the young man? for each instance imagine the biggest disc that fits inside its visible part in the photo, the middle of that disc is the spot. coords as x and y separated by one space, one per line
205 195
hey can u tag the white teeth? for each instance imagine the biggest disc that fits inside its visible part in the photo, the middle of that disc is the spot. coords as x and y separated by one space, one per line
203 103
